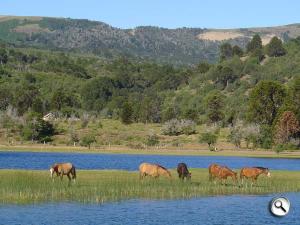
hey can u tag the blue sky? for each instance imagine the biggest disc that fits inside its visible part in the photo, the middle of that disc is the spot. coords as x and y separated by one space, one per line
163 13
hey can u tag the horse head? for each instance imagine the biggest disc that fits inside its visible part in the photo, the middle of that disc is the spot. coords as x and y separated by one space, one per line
189 176
235 176
53 168
267 172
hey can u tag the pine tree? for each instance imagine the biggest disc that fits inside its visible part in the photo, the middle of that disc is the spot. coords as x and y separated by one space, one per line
254 44
236 50
126 113
275 48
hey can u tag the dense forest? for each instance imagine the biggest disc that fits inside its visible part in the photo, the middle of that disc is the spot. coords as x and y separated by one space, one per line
255 91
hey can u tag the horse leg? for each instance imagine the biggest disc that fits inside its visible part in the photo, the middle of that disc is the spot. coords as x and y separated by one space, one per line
210 177
252 181
68 174
142 175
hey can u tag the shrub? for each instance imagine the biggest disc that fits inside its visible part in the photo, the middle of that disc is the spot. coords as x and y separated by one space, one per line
152 139
85 121
286 127
208 137
177 127
235 136
37 129
87 140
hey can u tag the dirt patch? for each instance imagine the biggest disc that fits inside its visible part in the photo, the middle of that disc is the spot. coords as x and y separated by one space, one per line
30 28
219 35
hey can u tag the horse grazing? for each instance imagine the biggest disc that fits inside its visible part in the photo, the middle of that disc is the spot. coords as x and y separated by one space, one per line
153 170
63 169
221 172
183 171
253 173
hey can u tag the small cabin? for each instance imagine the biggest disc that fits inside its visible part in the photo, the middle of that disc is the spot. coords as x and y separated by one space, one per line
49 117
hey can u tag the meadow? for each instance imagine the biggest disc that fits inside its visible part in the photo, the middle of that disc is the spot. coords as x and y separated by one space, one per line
99 186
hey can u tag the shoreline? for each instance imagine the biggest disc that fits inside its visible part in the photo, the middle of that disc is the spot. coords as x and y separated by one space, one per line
152 151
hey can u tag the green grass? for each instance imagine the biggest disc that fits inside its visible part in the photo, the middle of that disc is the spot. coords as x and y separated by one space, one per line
24 187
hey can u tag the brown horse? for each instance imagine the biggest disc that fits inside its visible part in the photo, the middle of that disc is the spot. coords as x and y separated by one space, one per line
62 169
253 173
183 171
153 170
221 172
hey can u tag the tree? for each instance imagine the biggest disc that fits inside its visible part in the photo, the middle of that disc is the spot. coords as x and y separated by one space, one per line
214 102
87 140
203 67
126 113
265 100
226 51
73 137
226 76
208 137
275 48
152 139
97 92
24 96
236 50
36 129
3 56
286 127
254 44
295 96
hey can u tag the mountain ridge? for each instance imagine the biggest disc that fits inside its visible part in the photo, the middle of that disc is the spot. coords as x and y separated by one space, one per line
166 45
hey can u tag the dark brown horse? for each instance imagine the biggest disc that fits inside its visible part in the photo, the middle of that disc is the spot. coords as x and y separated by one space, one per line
183 171
221 172
62 169
153 170
253 173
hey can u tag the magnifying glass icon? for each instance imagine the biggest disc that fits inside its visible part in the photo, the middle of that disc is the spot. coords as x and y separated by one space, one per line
278 205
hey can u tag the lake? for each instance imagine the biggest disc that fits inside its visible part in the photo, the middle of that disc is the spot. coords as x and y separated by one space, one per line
42 160
225 210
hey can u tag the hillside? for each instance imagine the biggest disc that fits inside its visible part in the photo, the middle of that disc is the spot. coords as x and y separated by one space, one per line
175 46
246 94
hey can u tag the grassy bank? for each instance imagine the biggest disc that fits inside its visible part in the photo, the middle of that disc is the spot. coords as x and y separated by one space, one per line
24 187
151 151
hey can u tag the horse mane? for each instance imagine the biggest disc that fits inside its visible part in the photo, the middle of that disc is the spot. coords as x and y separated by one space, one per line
161 167
261 168
226 167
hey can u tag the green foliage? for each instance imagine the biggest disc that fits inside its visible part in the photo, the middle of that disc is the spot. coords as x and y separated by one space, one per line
97 92
203 67
208 137
152 140
214 102
254 44
3 56
275 48
226 51
88 139
126 113
36 129
265 137
236 50
265 101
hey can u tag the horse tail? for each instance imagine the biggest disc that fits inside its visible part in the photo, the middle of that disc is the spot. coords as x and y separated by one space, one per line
74 172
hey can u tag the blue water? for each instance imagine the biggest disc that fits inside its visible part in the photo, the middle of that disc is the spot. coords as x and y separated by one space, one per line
40 160
225 210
